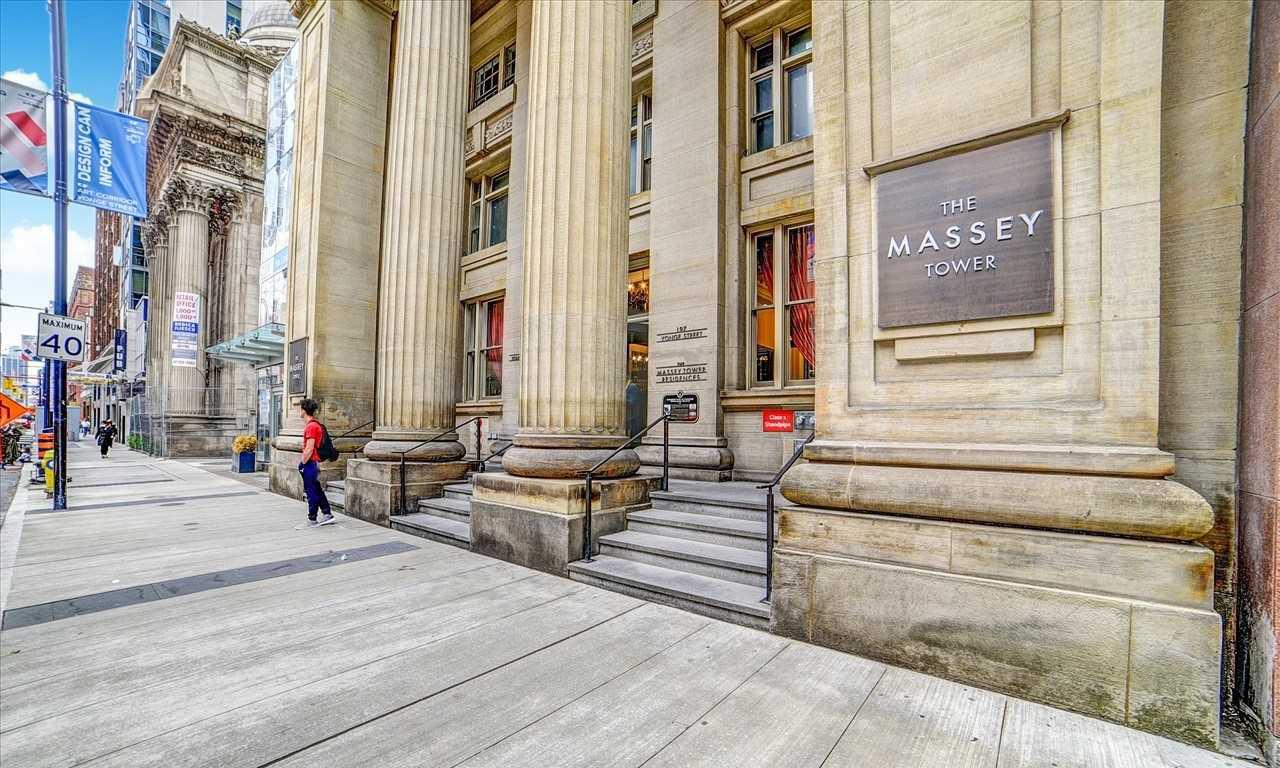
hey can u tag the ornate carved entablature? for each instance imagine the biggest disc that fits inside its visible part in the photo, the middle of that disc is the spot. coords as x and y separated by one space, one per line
641 45
300 8
194 142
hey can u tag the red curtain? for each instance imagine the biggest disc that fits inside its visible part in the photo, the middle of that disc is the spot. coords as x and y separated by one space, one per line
801 287
493 340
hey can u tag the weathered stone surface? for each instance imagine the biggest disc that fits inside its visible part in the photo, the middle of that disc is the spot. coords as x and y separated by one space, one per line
283 471
1174 664
1127 506
1131 461
1180 574
530 537
561 497
373 487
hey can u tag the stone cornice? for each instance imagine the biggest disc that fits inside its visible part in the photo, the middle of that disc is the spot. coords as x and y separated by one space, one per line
301 8
188 33
184 135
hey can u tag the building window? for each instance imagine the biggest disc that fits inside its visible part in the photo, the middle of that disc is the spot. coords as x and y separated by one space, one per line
484 80
487 211
782 313
780 87
509 65
641 143
483 341
233 18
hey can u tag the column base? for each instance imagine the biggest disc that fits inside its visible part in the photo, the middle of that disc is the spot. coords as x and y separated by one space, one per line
568 456
688 462
283 477
1115 628
373 487
539 522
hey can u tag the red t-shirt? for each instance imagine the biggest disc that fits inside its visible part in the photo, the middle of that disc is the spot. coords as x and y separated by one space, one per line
313 431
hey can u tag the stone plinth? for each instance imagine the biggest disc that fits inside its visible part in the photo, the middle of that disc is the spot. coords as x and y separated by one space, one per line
689 462
539 522
1115 628
282 470
373 487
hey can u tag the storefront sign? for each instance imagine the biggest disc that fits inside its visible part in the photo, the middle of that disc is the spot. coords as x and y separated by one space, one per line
968 236
778 420
297 363
120 359
681 372
681 407
184 339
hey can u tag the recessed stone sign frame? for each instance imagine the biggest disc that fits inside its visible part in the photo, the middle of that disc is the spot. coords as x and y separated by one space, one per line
968 236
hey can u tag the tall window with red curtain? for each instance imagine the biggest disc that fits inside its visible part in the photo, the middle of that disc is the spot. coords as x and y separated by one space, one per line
802 346
493 349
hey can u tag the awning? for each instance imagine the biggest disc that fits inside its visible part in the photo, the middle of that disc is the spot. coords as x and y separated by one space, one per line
101 364
263 345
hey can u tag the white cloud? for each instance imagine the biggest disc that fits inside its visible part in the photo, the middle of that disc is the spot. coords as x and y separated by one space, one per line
23 77
26 273
33 80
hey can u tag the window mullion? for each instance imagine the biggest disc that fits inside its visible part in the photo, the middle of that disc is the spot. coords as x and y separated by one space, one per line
781 288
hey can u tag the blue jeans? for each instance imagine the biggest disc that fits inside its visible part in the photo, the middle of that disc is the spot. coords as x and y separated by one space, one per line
315 493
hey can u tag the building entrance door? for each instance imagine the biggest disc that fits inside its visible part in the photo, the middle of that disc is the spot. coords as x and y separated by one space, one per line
637 348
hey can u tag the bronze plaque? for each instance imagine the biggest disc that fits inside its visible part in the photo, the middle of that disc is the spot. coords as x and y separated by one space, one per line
968 236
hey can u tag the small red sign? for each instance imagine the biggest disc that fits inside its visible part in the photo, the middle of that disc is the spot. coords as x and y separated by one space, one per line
779 420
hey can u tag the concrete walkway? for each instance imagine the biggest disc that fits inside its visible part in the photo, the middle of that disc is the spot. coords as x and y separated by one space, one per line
175 617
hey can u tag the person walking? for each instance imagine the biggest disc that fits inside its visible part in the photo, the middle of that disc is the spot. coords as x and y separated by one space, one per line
106 435
313 437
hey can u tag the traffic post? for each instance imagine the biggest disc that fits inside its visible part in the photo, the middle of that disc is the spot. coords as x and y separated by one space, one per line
58 397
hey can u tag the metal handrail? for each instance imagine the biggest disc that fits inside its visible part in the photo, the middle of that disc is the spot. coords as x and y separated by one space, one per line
495 454
403 485
769 512
354 429
666 437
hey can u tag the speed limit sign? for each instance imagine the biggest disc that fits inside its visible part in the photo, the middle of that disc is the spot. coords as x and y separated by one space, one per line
60 338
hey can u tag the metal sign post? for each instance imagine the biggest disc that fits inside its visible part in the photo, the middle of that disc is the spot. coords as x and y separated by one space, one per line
58 396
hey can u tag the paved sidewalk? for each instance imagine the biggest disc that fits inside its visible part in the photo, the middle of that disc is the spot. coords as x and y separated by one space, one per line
172 617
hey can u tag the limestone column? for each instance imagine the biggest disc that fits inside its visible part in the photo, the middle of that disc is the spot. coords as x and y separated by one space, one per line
572 383
189 262
156 240
422 231
335 221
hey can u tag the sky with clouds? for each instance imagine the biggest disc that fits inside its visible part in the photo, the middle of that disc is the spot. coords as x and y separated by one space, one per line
95 58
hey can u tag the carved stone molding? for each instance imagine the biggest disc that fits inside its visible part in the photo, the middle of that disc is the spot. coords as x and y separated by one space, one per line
225 206
182 194
493 131
642 45
155 231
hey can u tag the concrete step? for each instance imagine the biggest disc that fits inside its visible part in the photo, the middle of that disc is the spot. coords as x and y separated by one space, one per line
738 509
336 485
713 529
458 491
434 528
715 561
336 498
447 508
717 598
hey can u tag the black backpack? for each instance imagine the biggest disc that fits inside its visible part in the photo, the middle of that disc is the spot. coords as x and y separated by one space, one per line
325 449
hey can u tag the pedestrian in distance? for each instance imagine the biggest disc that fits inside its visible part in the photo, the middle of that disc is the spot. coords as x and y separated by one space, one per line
106 435
316 447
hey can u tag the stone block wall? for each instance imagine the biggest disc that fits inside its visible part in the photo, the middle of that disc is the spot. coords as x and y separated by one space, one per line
1259 461
1203 92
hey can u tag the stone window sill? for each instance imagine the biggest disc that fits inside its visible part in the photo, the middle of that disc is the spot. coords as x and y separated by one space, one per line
797 397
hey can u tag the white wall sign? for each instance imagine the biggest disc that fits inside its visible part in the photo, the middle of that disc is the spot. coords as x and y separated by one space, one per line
60 338
185 330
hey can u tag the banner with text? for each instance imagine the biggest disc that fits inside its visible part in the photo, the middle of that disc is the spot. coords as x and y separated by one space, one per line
109 165
184 341
24 145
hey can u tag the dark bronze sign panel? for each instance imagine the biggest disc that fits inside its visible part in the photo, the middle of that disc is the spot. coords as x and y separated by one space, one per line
682 406
968 236
298 366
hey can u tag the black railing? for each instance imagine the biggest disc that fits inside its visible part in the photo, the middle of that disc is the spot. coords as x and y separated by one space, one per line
768 515
586 521
353 430
404 509
493 455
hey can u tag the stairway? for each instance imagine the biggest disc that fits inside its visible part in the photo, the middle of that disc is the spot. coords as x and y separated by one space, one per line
701 547
446 519
336 492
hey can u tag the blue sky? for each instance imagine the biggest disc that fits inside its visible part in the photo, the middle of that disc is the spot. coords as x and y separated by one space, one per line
95 56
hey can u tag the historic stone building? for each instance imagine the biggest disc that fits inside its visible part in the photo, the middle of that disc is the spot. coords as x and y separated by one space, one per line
989 252
206 105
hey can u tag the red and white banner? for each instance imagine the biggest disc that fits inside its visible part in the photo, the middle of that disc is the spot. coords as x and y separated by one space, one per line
24 155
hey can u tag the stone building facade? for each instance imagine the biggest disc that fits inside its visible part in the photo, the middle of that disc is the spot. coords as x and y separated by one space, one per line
206 107
991 251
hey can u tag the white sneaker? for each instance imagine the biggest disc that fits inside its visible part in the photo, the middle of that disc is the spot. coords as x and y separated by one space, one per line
314 523
327 519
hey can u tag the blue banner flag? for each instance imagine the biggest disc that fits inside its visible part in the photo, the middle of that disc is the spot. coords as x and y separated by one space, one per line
109 165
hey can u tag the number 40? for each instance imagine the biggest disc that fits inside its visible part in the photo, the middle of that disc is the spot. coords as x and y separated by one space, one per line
71 346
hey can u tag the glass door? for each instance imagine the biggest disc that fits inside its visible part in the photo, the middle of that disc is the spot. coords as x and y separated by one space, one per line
637 349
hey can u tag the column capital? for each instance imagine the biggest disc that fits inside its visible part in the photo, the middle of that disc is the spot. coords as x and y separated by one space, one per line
301 8
188 195
155 230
